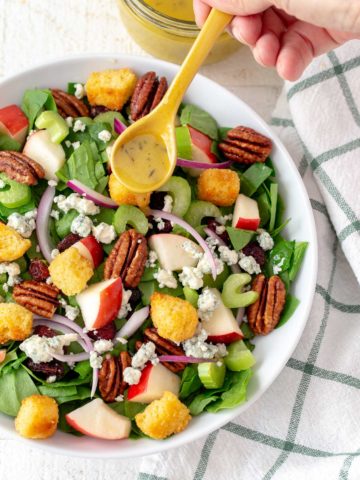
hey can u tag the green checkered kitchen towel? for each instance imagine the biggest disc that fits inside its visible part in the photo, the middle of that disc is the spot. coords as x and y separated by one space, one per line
307 425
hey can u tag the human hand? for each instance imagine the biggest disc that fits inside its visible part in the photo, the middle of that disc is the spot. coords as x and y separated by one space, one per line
288 34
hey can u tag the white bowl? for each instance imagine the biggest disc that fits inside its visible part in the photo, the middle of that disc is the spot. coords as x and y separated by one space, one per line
273 351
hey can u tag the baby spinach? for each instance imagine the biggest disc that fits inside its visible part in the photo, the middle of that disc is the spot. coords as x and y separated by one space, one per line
190 381
273 201
200 120
235 395
291 305
280 257
264 206
253 177
81 394
35 101
299 253
14 387
222 132
239 238
65 391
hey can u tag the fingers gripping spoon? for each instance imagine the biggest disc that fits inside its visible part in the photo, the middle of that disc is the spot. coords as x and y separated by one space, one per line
144 156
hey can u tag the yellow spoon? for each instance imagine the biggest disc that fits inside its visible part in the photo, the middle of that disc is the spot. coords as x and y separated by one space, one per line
144 156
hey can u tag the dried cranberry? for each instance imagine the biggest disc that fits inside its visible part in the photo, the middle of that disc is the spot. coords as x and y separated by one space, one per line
104 333
44 331
157 200
154 228
38 270
47 369
212 224
135 298
254 250
68 241
97 109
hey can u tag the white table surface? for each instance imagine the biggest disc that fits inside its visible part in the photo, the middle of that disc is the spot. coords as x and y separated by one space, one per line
33 31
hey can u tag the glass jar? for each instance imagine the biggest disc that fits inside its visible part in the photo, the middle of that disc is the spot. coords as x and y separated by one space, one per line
166 37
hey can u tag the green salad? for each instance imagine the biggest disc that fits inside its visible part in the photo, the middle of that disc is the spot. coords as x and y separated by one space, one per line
122 314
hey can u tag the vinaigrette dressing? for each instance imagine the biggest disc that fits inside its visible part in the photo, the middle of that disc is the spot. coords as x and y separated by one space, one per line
179 9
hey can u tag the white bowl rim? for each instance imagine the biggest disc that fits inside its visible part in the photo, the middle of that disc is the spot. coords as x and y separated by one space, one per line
218 421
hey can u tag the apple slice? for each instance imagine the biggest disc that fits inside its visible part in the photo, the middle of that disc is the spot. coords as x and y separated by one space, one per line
2 355
14 123
91 249
201 150
100 303
49 155
171 253
97 419
246 213
154 381
222 327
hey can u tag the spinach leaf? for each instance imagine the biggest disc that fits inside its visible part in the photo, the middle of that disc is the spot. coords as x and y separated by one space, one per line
82 394
246 330
235 395
253 177
239 238
201 401
280 228
8 143
190 381
9 358
148 288
66 391
299 253
35 101
264 206
199 119
83 369
273 200
222 132
291 305
281 256
131 409
14 387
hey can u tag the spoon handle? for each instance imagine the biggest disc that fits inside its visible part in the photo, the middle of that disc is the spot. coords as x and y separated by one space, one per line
212 29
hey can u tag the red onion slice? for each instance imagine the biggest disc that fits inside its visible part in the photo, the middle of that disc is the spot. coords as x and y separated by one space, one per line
179 221
182 162
91 194
60 328
134 323
42 223
184 359
240 315
210 233
119 126
77 357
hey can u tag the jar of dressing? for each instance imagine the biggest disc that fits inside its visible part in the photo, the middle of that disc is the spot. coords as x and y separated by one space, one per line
166 29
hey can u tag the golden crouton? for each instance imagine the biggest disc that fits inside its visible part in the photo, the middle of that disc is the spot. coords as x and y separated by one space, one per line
220 187
15 322
122 196
161 418
70 271
38 417
111 88
175 319
12 244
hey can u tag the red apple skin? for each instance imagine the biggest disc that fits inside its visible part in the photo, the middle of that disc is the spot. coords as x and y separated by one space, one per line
135 390
226 338
75 426
94 248
248 223
14 123
203 142
110 303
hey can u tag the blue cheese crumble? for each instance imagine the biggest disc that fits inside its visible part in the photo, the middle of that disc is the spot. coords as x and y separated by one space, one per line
82 225
165 278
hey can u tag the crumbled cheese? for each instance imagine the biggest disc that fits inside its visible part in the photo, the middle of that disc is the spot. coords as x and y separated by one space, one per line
104 136
204 265
51 379
191 277
152 259
160 223
76 202
121 340
165 278
49 281
95 360
212 243
79 90
75 145
69 121
2 184
12 269
23 224
71 312
104 233
265 240
249 264
278 264
54 253
131 376
119 398
52 183
125 305
190 248
82 225
224 219
168 204
5 287
102 346
220 229
145 354
197 346
79 126
55 214
207 303
42 349
228 256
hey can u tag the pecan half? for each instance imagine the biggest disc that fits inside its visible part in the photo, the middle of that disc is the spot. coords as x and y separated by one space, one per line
20 168
245 145
264 314
38 297
164 347
68 105
148 92
127 259
111 382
